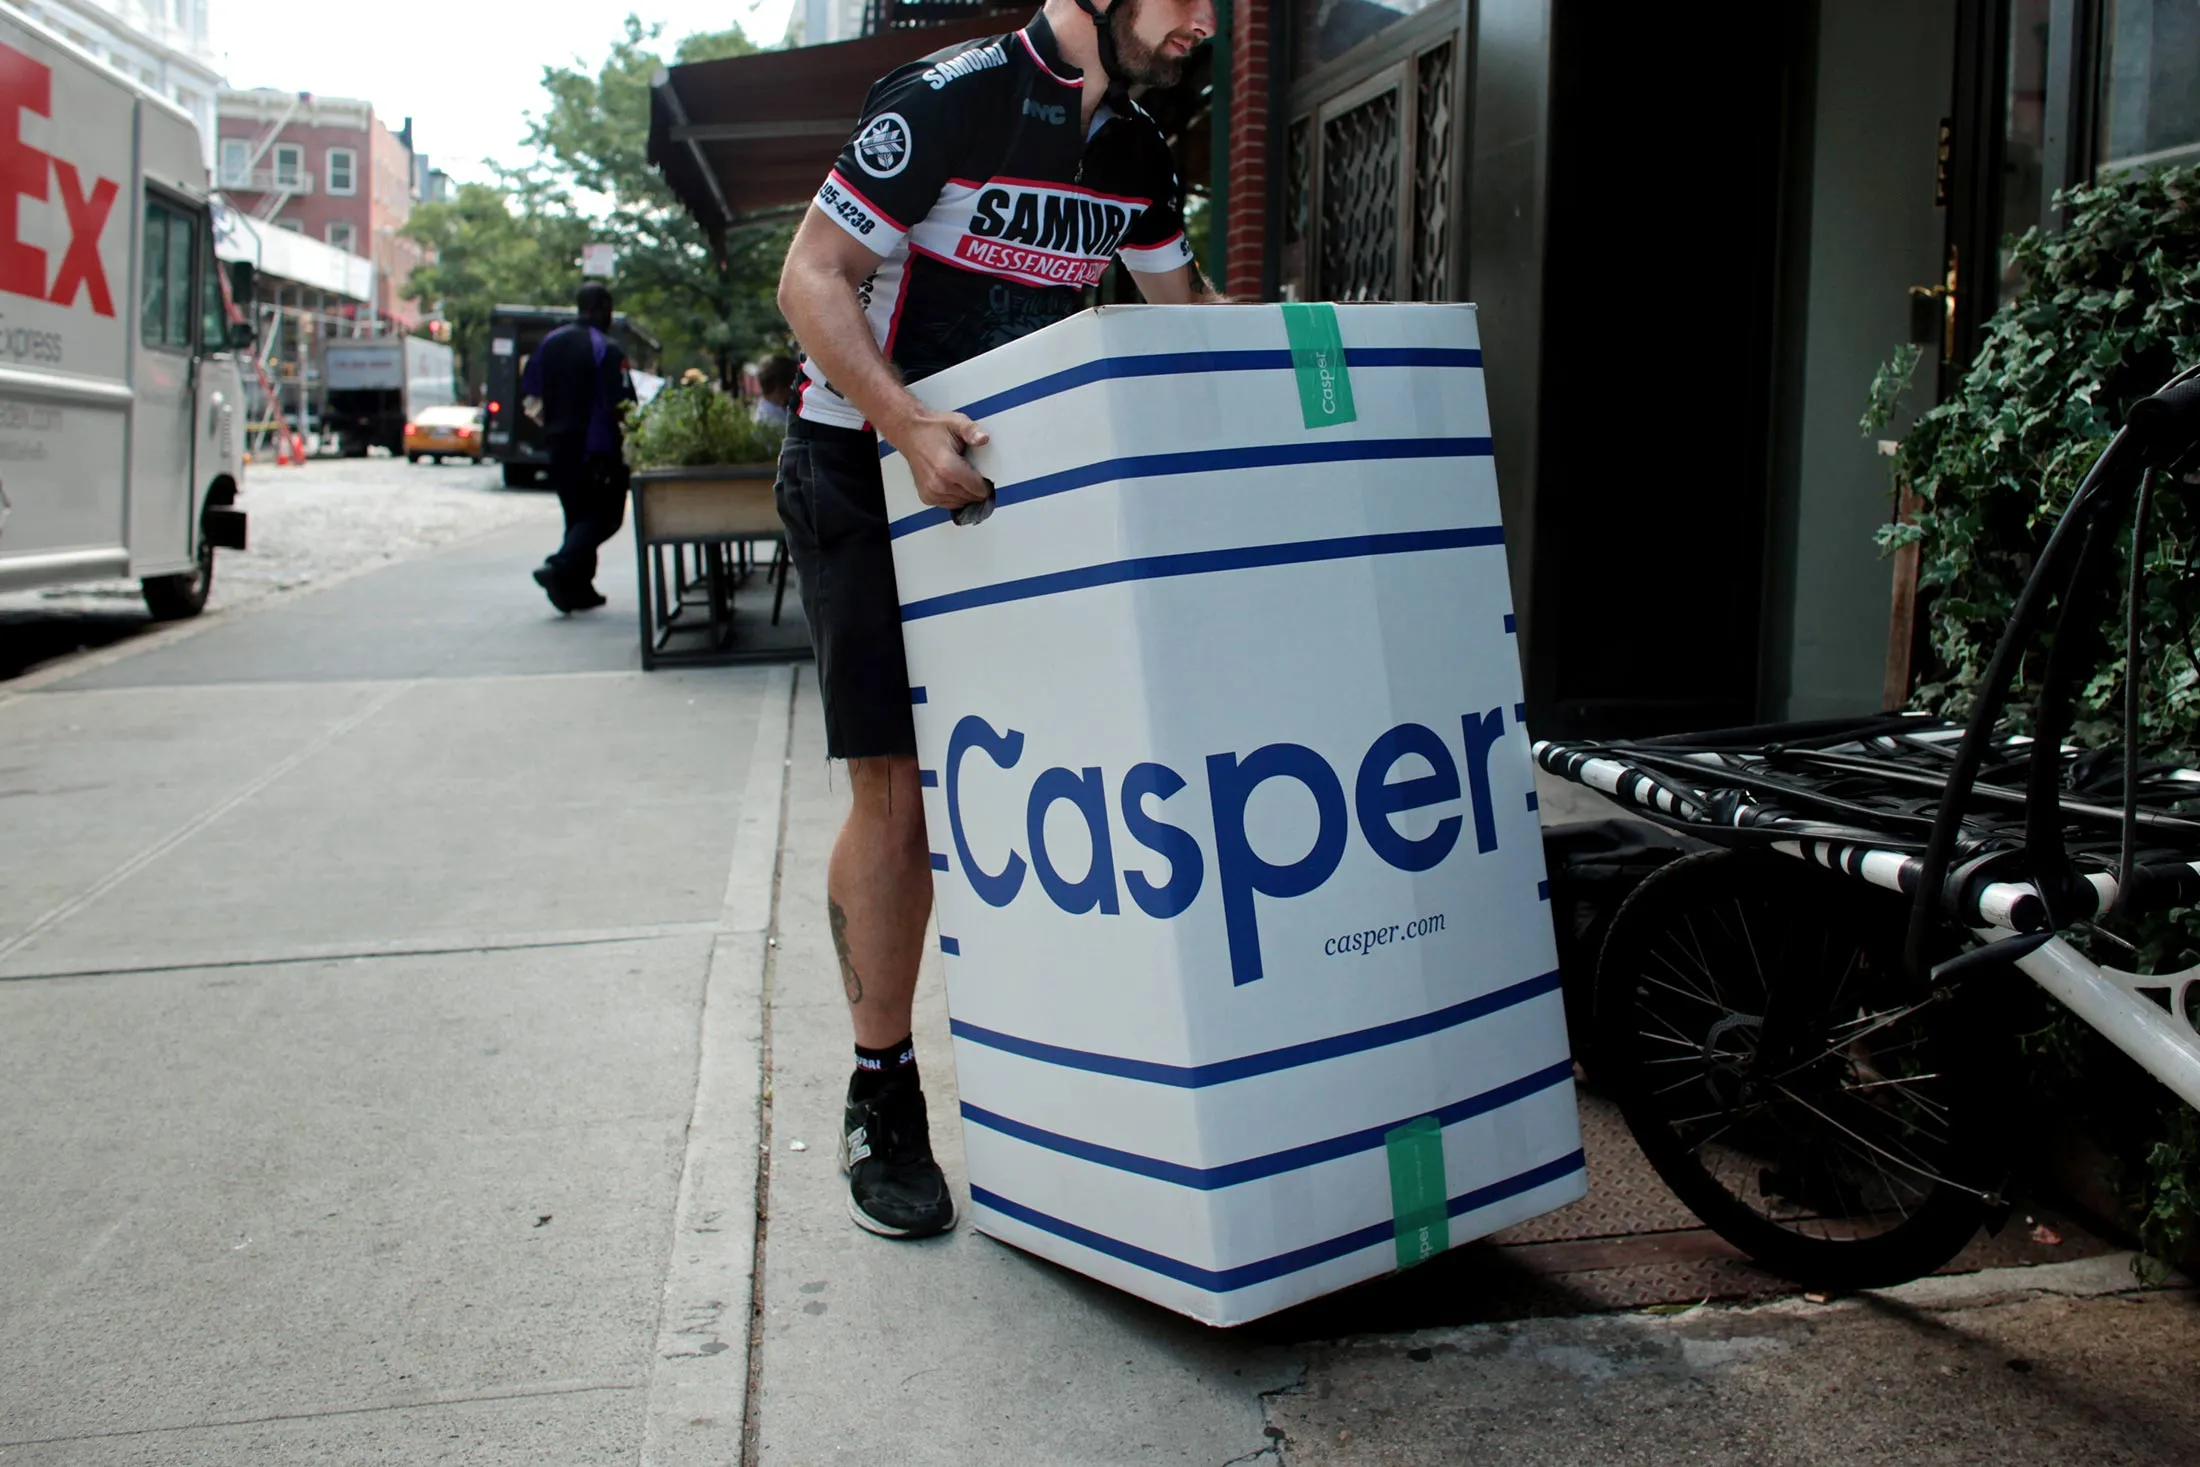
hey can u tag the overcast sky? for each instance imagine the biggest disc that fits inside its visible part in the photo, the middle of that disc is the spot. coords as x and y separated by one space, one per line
465 71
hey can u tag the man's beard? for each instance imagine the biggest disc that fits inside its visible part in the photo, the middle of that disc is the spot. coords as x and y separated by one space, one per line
1142 65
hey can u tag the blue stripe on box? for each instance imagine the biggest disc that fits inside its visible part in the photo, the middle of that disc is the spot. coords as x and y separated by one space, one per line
1298 1260
1535 801
1207 461
1204 562
1296 1158
1512 623
1199 363
916 696
928 779
951 947
939 861
1222 1072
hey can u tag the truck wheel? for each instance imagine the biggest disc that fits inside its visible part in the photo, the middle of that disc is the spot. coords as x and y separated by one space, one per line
412 458
519 476
176 598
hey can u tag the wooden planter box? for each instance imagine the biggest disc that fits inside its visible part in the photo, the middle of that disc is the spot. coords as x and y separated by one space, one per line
691 530
703 505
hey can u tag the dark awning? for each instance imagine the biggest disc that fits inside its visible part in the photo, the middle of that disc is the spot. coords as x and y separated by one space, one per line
750 133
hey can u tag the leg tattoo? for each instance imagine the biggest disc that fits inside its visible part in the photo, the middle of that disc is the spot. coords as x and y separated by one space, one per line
848 977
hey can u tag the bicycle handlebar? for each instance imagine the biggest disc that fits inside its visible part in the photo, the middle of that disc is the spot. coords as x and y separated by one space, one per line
2167 425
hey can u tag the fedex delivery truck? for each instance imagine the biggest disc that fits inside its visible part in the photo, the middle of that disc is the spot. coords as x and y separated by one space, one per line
120 396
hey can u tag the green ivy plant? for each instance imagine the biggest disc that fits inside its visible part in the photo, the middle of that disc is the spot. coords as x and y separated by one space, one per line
2109 310
692 424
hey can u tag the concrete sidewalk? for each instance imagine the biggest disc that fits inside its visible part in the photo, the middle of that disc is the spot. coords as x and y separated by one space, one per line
421 1042
383 1002
349 1007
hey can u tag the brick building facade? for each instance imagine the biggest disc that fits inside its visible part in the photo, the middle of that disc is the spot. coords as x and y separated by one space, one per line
328 168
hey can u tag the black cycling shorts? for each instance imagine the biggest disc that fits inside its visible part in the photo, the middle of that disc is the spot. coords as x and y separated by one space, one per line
834 507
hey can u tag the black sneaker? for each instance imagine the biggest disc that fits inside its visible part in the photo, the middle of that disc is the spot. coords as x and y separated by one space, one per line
895 1188
553 586
587 598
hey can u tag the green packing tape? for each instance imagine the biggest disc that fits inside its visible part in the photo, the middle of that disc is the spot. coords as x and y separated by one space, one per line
1417 1193
1317 359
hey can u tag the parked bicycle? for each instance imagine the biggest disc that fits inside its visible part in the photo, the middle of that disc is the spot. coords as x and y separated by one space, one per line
1805 1025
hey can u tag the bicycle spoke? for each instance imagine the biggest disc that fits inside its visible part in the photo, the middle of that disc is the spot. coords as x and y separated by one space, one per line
1880 1021
1749 944
1672 1034
1715 1135
1695 994
1694 998
1907 1164
1685 1080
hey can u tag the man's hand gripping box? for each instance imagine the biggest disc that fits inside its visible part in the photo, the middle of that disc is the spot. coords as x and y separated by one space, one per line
1239 878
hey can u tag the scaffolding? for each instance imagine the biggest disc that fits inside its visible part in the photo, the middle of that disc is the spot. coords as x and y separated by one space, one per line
295 324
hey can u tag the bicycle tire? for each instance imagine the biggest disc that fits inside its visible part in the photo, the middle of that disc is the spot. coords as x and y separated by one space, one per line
1745 1004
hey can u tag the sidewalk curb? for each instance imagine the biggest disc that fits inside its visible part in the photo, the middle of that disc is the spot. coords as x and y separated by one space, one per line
2103 1276
699 1371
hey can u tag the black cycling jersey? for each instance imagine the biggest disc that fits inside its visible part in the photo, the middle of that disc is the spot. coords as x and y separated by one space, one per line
990 214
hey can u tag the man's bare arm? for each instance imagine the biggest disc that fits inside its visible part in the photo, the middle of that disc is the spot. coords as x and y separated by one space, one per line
819 294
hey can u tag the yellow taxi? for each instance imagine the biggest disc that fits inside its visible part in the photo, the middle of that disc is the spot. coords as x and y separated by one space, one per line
445 432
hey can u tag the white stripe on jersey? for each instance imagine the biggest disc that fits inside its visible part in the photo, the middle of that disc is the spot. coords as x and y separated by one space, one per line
1171 254
844 204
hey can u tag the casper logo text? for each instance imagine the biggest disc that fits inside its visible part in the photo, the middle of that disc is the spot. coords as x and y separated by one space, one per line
1242 873
27 86
1326 373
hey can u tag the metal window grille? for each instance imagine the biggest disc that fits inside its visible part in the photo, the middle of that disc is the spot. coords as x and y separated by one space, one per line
1359 185
1432 160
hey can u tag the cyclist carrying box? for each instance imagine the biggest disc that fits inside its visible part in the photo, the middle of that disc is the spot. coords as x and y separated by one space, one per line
985 189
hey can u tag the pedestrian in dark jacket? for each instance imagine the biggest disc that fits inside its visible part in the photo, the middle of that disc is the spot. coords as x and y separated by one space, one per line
580 376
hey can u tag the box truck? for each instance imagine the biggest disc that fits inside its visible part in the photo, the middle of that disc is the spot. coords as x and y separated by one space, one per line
377 385
120 397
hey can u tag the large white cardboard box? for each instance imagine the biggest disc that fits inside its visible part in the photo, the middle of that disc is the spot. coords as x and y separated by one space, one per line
1240 882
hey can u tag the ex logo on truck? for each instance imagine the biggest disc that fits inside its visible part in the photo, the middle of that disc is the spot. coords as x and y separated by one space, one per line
26 85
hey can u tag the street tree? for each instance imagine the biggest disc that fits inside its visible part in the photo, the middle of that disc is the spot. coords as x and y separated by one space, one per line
708 306
493 244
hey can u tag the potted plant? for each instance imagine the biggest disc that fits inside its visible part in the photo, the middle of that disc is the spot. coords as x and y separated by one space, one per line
703 471
703 466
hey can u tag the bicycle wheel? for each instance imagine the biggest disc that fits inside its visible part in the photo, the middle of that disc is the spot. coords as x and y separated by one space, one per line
1809 1102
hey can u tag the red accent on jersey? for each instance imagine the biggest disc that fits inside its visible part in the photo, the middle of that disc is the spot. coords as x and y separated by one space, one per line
1050 71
